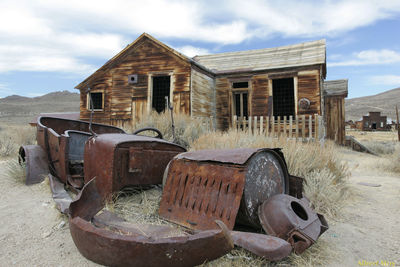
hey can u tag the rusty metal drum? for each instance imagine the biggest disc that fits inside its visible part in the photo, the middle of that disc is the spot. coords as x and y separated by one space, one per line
227 185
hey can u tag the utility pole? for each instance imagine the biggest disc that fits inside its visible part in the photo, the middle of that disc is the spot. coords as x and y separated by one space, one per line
397 123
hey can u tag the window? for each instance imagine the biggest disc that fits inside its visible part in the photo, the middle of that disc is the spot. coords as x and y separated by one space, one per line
97 99
161 89
283 97
240 104
381 124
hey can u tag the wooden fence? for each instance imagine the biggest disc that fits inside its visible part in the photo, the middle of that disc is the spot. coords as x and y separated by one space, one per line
304 127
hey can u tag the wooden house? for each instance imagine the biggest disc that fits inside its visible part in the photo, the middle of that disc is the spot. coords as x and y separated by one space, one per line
374 121
281 81
335 92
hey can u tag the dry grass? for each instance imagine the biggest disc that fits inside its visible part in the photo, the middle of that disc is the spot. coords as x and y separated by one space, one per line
15 171
319 164
390 162
373 136
187 129
12 137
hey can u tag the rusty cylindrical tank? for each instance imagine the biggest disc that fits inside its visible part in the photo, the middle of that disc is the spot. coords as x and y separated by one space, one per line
227 185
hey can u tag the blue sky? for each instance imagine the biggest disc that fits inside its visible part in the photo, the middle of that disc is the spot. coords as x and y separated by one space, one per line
50 45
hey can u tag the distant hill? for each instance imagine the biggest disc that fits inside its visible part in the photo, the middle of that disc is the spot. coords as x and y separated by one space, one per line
384 102
20 109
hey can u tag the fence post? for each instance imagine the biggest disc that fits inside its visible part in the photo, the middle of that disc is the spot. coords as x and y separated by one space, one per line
303 127
235 122
316 126
284 126
249 126
272 126
267 125
290 126
255 125
261 125
279 126
310 127
297 127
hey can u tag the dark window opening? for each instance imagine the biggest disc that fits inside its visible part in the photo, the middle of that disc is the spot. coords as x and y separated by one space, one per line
240 85
97 99
374 125
283 97
161 88
240 104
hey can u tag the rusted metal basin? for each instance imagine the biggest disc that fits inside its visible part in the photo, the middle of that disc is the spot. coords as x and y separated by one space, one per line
119 245
227 185
119 160
293 220
36 164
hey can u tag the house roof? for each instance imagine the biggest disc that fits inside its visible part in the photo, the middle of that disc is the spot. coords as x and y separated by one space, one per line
304 54
116 59
336 87
309 53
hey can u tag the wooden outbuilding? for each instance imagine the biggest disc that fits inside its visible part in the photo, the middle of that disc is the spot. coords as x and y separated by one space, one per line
335 92
281 82
374 121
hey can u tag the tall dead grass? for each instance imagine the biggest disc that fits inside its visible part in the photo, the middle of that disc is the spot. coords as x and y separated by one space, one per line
325 174
12 137
187 129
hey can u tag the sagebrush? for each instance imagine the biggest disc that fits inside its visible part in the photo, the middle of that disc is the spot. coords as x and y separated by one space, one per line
187 129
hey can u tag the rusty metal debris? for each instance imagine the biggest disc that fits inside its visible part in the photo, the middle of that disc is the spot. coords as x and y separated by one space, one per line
124 246
35 160
240 187
293 220
209 192
60 195
119 160
226 185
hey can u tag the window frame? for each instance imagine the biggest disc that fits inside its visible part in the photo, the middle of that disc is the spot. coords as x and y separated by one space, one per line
88 100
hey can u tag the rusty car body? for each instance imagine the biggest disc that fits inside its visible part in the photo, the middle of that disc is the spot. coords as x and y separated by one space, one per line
76 151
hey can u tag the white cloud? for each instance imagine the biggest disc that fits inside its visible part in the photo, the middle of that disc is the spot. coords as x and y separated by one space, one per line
393 80
369 57
53 35
192 51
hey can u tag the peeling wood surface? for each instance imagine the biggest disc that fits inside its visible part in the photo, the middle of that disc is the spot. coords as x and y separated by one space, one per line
124 101
335 119
308 87
203 101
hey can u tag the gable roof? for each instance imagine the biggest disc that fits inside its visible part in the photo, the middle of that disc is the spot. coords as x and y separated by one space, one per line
309 53
336 87
304 54
117 58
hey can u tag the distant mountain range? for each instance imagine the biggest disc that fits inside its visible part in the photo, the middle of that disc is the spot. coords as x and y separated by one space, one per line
384 102
20 109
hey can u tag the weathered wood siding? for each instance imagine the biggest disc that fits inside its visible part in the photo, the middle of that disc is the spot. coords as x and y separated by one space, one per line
259 95
102 84
335 119
223 102
203 94
124 101
309 87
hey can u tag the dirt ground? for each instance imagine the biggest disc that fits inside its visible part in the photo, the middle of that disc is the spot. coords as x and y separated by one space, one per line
33 233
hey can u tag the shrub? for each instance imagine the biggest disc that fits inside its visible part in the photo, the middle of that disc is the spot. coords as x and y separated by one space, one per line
380 147
187 129
15 171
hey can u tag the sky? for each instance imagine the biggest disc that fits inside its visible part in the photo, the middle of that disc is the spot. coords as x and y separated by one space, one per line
50 45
